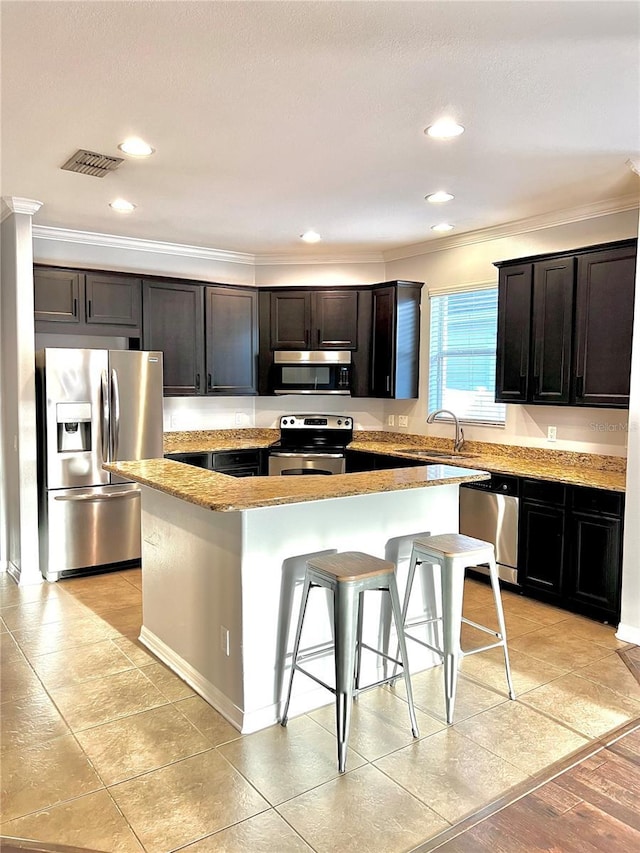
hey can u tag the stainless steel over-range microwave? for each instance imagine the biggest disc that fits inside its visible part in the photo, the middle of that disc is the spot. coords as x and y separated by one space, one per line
311 372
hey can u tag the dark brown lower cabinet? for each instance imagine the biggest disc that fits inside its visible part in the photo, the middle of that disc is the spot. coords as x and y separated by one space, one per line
570 547
542 533
594 528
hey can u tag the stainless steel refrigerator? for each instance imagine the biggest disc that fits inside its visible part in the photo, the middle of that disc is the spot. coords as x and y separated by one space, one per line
93 406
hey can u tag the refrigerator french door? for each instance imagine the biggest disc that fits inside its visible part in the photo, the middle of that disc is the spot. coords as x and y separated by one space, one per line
94 406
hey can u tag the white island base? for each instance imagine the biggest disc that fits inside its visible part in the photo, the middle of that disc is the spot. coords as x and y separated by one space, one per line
221 590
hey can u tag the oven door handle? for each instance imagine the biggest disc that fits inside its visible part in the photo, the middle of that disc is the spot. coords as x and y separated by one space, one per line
282 391
297 455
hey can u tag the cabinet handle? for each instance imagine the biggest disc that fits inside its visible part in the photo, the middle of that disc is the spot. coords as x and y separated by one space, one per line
388 384
318 337
197 381
208 382
89 309
536 386
75 307
579 386
523 385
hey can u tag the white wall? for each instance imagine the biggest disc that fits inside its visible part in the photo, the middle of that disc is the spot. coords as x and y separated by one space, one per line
629 628
585 430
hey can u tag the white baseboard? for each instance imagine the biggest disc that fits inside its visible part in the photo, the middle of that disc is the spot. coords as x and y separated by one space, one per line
245 722
628 634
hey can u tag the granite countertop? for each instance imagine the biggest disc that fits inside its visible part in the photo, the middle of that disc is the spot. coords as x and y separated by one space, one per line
223 493
561 466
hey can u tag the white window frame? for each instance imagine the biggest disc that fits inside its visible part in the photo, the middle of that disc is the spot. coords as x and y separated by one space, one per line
500 419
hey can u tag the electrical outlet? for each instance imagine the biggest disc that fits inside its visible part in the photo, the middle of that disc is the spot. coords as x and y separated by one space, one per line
391 420
551 433
224 640
403 420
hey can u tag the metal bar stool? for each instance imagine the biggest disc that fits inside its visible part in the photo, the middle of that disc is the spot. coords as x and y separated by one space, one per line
349 575
454 553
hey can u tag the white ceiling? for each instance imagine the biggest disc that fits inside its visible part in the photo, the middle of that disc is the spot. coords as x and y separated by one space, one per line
269 118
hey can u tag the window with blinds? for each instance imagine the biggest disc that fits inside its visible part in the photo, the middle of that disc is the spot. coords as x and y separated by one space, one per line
462 355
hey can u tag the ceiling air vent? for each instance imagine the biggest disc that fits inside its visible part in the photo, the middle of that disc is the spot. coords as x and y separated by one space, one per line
91 163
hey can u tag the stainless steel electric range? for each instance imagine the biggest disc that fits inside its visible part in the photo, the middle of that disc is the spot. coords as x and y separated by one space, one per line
311 444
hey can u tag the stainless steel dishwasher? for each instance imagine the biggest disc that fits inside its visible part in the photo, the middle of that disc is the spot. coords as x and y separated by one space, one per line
489 511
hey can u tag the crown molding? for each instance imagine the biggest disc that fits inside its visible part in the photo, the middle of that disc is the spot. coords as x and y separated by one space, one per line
12 204
519 226
509 229
354 258
112 241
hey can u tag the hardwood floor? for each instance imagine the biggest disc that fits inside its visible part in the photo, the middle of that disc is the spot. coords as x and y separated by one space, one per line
592 806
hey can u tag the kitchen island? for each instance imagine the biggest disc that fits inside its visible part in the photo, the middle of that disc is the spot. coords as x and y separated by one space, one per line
223 561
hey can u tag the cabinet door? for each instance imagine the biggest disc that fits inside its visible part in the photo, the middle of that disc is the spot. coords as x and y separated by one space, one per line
174 323
335 319
231 340
113 300
551 330
382 342
604 325
291 320
57 295
593 577
541 548
514 325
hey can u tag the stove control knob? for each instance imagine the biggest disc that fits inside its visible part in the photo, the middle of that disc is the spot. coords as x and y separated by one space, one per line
339 423
347 422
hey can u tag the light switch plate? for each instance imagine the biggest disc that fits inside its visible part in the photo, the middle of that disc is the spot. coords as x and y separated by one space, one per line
551 433
403 420
391 420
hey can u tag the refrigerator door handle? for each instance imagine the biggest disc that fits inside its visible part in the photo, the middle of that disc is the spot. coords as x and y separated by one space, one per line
104 421
115 415
131 493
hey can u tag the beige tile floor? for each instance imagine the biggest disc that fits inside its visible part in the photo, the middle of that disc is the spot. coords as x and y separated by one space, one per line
104 747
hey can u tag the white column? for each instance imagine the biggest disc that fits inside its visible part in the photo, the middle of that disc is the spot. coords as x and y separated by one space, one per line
629 628
18 447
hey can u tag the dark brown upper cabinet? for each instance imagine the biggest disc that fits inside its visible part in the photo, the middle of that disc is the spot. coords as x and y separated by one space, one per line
565 327
231 340
314 319
77 302
113 300
57 294
552 330
514 334
174 323
604 327
395 340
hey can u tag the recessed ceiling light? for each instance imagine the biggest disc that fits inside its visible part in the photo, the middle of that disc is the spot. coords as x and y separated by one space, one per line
311 237
122 205
444 128
439 198
136 147
443 226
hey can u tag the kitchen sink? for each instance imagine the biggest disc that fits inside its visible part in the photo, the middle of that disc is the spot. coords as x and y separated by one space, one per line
438 454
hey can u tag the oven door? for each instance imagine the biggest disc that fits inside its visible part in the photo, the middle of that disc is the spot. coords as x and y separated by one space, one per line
283 464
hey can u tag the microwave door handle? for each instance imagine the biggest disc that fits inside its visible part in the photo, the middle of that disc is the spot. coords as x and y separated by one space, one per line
115 413
104 416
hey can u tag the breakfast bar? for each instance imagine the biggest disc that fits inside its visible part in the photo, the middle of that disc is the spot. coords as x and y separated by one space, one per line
223 560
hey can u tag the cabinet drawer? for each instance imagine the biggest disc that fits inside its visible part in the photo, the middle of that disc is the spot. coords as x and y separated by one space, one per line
200 460
539 490
231 458
596 500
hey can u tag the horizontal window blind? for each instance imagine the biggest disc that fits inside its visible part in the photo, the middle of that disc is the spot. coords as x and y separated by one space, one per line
462 355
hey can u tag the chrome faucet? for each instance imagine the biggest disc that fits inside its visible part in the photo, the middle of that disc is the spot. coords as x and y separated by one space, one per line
459 440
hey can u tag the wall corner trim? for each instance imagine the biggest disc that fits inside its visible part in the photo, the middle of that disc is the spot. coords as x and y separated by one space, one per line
12 204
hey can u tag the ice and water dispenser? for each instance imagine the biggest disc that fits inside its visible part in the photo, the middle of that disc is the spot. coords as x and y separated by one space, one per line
74 427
